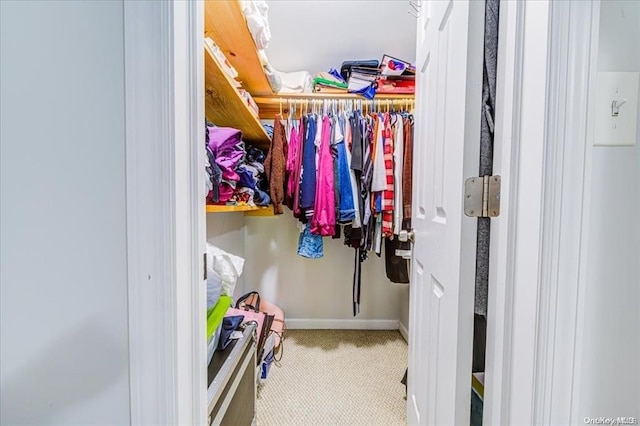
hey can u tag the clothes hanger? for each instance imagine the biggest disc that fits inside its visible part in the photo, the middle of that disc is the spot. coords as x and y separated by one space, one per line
292 113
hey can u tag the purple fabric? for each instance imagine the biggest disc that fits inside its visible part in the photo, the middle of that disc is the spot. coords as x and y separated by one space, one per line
226 145
228 150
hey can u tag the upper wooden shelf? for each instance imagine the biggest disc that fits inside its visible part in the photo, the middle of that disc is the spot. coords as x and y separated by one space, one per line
226 25
224 105
270 105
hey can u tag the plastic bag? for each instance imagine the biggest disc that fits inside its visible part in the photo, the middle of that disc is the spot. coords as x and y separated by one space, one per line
223 266
214 287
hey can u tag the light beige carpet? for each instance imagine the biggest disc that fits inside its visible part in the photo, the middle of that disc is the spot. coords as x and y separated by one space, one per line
336 377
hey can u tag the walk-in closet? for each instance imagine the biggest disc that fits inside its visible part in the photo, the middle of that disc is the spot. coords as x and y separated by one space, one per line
343 355
310 137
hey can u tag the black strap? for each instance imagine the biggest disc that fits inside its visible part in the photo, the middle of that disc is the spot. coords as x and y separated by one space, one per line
241 305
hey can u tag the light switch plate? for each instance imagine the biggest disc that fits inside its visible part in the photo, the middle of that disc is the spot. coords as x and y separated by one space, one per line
617 130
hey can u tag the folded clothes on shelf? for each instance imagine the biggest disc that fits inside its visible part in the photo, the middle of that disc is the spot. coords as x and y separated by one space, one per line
329 80
296 82
236 170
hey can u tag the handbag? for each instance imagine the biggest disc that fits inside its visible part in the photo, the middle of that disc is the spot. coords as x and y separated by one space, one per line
252 302
263 325
229 325
347 67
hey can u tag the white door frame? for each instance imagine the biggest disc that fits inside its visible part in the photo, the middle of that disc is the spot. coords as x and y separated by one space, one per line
515 234
531 349
574 31
165 211
500 327
534 324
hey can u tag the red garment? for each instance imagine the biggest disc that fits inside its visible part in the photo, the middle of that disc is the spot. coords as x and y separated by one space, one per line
388 194
323 221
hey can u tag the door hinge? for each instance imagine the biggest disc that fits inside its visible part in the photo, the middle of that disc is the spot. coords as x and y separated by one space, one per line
204 257
482 196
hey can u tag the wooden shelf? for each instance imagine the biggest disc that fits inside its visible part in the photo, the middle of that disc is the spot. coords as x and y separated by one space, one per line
224 105
226 25
248 210
262 212
227 209
270 105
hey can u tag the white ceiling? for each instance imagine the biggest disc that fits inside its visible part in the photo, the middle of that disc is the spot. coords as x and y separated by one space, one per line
315 35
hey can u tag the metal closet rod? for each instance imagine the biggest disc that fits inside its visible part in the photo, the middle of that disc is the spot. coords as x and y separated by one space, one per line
338 103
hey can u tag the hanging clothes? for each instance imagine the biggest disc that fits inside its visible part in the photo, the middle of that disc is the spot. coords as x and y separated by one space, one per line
398 157
355 191
346 208
388 192
275 165
349 174
407 173
324 212
310 245
396 252
308 170
379 182
297 176
366 178
291 169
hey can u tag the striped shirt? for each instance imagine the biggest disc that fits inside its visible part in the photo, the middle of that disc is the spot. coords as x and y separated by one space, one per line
388 193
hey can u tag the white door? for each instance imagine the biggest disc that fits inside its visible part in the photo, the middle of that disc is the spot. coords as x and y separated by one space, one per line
446 152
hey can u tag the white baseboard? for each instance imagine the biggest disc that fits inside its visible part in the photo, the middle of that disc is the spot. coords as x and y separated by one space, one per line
340 324
404 331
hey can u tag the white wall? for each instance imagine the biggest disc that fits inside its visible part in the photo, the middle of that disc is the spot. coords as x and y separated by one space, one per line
611 351
314 288
63 281
316 35
304 288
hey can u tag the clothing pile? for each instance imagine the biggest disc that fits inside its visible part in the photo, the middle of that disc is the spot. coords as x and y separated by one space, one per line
347 173
235 173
